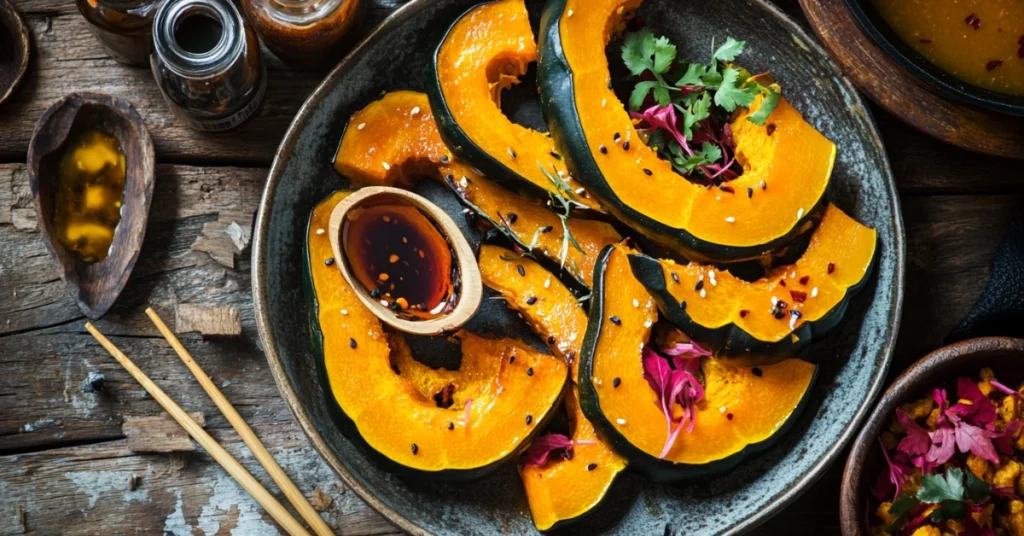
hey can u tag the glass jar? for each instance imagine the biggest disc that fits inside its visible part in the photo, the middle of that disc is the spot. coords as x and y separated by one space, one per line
123 27
206 61
310 33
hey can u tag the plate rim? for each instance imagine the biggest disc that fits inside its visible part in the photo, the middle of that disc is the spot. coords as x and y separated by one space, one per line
269 342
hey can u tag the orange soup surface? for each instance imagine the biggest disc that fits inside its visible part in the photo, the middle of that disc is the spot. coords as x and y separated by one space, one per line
978 41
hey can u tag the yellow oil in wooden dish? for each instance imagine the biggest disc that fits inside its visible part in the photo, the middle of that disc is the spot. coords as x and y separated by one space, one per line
978 41
90 188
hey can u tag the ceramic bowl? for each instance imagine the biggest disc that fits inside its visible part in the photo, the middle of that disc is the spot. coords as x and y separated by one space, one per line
941 368
937 79
854 359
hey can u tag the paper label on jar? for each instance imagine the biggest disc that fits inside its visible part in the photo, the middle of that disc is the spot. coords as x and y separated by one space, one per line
235 119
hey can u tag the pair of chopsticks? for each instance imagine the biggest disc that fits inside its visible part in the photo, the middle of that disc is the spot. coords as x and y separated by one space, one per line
228 462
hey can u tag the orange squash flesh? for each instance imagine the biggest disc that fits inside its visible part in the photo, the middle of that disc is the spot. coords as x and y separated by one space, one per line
409 144
485 53
839 241
391 141
787 169
560 490
741 408
393 411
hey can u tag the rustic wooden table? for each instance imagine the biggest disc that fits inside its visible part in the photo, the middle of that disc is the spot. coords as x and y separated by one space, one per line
64 464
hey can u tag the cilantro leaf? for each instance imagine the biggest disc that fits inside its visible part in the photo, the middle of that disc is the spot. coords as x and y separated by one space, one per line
664 54
977 489
730 95
693 76
949 510
937 488
636 99
728 51
768 105
698 111
637 49
899 510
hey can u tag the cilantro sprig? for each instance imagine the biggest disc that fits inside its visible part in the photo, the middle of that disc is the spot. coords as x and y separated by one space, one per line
950 492
702 98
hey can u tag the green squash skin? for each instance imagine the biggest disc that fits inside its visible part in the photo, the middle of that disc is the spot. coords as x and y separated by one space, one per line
557 97
731 341
647 464
348 427
461 145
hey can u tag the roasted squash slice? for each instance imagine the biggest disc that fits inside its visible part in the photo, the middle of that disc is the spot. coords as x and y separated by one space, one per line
393 140
394 415
744 409
787 164
484 53
774 317
560 491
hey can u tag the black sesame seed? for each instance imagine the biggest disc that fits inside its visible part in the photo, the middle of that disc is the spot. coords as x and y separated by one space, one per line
617 137
522 271
616 382
329 261
396 307
675 277
512 217
603 149
529 419
529 371
415 449
444 159
682 304
375 293
352 343
648 172
795 314
449 177
699 285
609 84
616 320
531 300
782 304
757 372
750 192
511 359
551 339
451 426
555 155
625 145
546 229
511 152
779 315
591 467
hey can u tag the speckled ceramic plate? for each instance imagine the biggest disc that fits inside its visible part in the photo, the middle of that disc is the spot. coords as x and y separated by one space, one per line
855 358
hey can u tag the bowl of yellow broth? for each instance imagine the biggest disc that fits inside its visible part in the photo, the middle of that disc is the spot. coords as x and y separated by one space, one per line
971 51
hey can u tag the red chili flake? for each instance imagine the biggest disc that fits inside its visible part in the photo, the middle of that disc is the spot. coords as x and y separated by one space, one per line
973 21
744 313
727 189
798 296
782 282
831 267
993 65
771 128
729 416
805 279
925 41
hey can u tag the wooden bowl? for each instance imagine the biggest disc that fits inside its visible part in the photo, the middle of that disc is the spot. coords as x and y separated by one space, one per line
94 286
15 49
940 368
471 282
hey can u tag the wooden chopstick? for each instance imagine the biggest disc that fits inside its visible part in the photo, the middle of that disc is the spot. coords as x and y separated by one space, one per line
293 494
228 462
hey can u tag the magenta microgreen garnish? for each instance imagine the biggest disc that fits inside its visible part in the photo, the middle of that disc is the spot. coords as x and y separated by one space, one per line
698 140
544 446
898 473
1004 388
675 384
967 425
917 441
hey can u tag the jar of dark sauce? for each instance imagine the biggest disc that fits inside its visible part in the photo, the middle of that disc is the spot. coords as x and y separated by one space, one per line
308 33
206 61
123 27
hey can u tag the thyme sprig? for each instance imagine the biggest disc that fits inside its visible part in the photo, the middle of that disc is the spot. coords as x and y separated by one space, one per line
562 205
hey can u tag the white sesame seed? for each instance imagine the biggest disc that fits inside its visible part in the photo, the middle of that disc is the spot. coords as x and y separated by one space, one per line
463 182
547 283
597 381
730 219
711 274
648 324
792 322
703 293
415 110
722 409
620 421
579 191
636 302
775 301
814 292
344 312
320 231
570 14
800 213
604 102
361 126
387 166
384 303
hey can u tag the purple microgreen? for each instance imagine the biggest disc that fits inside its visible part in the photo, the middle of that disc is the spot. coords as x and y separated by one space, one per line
544 446
673 386
1004 443
1004 389
897 473
972 439
943 445
917 441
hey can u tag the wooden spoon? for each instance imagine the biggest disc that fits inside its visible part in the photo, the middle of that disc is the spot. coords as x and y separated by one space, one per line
471 283
94 286
14 49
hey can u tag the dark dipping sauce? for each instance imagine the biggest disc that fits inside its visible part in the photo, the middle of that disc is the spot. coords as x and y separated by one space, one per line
402 258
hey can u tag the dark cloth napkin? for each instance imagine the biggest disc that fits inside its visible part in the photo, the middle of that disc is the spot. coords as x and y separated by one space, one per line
1000 309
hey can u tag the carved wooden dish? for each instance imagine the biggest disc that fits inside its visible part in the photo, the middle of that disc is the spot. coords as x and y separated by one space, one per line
471 282
94 286
14 49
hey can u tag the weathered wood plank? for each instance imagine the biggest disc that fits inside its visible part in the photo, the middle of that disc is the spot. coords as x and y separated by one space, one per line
85 490
159 433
